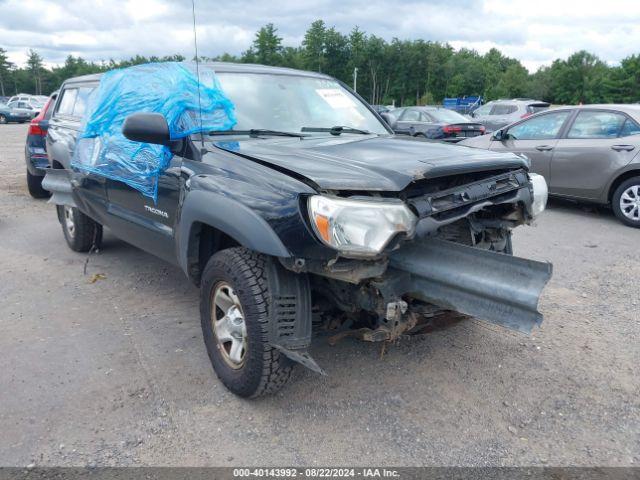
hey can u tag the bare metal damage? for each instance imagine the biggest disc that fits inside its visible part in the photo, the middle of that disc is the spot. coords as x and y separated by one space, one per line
58 182
491 286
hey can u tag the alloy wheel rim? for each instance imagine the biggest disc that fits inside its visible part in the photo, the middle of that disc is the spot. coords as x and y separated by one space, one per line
229 326
630 203
68 221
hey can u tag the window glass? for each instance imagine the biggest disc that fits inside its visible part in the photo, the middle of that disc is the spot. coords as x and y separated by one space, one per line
483 110
539 128
67 101
503 109
49 111
411 116
537 107
629 128
447 116
291 103
81 101
12 104
595 124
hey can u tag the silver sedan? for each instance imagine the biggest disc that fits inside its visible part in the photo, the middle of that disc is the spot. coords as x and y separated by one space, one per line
586 153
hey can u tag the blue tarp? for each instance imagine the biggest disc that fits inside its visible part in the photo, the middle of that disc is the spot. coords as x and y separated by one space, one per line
168 88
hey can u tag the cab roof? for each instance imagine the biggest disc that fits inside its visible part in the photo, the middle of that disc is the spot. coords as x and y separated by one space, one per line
221 67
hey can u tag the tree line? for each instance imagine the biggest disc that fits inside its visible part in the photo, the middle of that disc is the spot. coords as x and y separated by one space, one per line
403 72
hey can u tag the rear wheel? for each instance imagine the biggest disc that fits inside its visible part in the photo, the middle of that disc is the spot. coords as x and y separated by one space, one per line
34 185
234 311
80 231
626 202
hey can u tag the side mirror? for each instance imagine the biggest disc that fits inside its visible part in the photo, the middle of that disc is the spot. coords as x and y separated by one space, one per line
500 135
390 119
147 128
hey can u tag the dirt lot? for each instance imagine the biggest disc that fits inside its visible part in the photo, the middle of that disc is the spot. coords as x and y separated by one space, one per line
115 372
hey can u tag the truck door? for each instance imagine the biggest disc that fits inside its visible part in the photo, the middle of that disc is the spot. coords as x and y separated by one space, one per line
144 223
64 127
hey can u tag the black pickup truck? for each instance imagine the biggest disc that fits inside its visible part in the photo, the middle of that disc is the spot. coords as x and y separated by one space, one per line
311 216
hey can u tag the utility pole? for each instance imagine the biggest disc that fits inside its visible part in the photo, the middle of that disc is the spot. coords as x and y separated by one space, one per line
355 79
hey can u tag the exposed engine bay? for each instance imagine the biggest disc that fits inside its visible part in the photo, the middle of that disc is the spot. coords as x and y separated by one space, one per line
458 259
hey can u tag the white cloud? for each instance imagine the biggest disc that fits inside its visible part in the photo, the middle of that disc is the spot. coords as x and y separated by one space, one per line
535 32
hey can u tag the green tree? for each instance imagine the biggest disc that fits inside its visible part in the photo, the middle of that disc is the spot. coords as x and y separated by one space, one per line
579 79
513 82
267 46
313 46
34 62
5 72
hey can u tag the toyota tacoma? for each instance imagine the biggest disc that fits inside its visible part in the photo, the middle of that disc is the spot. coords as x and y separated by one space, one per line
310 215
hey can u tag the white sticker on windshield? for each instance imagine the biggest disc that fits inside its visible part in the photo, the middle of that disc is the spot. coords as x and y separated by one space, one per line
335 97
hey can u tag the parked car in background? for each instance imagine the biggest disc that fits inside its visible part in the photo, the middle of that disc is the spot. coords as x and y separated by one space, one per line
435 123
586 153
35 151
381 108
464 105
12 113
498 113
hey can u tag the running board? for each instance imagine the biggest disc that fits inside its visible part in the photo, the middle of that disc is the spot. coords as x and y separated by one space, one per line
58 182
496 287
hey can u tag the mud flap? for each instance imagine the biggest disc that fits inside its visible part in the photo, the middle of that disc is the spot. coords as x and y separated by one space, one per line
58 182
290 315
491 286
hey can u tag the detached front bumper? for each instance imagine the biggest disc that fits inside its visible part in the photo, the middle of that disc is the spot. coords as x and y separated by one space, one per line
491 286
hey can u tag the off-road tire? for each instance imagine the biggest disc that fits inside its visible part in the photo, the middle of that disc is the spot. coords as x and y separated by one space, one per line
265 370
615 202
86 231
34 185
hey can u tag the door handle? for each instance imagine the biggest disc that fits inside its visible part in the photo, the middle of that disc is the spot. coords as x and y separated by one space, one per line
622 148
544 148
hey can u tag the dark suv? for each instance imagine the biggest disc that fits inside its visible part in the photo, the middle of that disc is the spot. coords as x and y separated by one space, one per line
310 215
35 152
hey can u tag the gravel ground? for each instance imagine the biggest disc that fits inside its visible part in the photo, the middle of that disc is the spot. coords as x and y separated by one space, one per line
115 372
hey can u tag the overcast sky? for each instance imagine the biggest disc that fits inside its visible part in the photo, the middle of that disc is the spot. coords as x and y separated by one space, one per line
534 31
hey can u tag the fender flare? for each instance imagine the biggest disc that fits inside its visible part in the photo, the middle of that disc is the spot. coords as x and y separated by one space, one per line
230 217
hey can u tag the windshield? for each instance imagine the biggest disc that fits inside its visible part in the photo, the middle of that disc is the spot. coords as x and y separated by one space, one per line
290 102
447 116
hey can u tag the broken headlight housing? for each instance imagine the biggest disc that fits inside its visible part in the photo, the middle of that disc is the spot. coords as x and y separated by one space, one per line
540 194
359 227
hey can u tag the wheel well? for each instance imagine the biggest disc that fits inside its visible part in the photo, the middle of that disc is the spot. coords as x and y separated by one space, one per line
204 241
616 183
56 165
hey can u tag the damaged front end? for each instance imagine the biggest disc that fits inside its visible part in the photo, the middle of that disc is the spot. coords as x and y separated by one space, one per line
456 257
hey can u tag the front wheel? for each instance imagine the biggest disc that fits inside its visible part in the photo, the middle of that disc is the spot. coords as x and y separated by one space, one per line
626 202
80 231
234 311
3 119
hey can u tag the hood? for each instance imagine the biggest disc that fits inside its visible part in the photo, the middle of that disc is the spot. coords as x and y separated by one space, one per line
355 162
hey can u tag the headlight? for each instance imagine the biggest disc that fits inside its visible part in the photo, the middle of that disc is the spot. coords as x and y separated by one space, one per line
540 194
359 227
